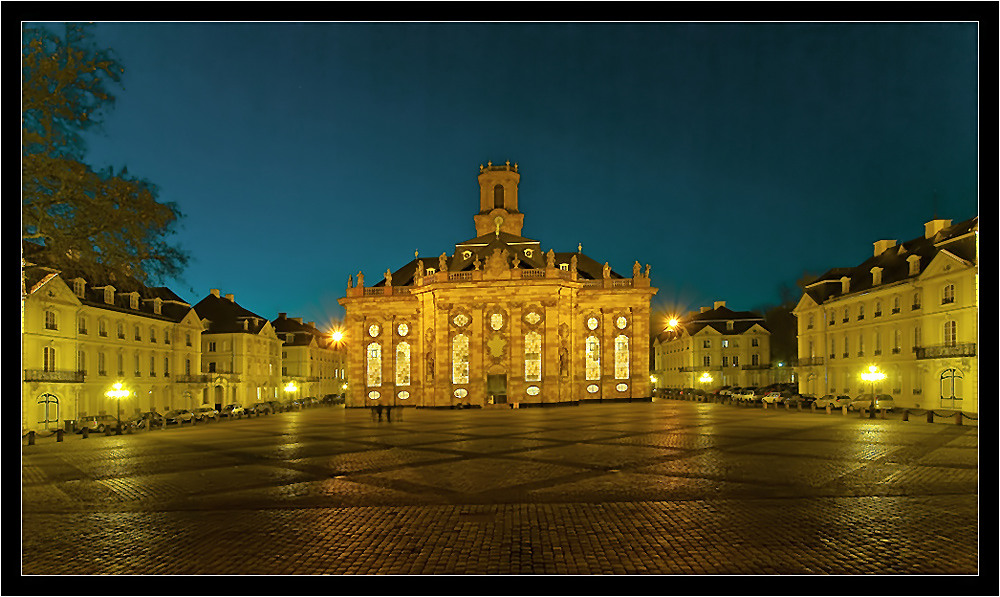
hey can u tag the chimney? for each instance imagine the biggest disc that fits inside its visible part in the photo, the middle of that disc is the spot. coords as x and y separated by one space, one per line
882 245
719 304
845 285
705 309
214 292
230 297
282 315
297 319
934 226
311 324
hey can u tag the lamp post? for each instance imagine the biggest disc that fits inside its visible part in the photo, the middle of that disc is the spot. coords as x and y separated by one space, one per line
705 378
290 389
118 393
873 375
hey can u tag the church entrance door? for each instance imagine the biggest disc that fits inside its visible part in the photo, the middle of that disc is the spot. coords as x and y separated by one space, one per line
496 388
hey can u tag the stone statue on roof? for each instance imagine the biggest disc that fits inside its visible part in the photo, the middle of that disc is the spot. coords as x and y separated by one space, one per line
550 259
636 269
361 280
442 262
388 277
607 270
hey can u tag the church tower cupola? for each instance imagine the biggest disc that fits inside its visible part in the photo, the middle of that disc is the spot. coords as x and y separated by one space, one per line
498 200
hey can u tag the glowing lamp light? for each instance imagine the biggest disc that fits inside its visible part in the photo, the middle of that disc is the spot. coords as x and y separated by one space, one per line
873 375
705 378
672 322
118 393
291 387
337 335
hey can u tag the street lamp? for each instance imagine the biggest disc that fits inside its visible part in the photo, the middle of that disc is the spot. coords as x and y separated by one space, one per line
873 375
118 393
290 388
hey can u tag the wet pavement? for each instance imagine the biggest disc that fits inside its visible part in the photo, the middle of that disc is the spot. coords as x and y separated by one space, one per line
667 487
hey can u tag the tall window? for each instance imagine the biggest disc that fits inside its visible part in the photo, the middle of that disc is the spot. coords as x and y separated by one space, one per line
592 358
948 294
950 333
916 337
755 359
49 358
374 364
152 365
877 345
897 341
951 384
532 356
102 368
621 357
121 331
81 361
166 366
498 196
83 325
895 304
916 300
705 360
50 320
460 359
403 364
102 328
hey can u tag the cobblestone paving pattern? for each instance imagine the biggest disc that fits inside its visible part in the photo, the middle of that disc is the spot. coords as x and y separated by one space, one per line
667 487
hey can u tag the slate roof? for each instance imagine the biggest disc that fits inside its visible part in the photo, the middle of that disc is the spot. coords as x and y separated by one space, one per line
717 319
893 261
304 333
37 267
227 317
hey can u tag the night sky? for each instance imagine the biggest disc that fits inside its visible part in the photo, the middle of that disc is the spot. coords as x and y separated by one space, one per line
732 157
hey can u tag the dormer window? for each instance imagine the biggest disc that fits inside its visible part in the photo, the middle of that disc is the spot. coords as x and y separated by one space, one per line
157 305
876 276
431 271
914 261
133 300
564 267
79 287
729 325
109 295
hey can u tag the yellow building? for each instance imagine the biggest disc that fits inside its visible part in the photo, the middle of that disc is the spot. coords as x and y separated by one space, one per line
712 348
912 309
240 353
311 360
499 320
79 337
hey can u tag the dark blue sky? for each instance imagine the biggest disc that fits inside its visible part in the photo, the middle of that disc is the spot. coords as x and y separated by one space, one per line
731 157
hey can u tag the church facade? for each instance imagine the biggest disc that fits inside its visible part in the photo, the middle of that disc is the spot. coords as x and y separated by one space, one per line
500 320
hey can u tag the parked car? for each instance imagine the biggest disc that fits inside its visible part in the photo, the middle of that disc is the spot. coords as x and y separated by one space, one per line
97 423
179 415
748 395
833 401
152 417
259 408
864 402
773 398
796 399
206 412
233 411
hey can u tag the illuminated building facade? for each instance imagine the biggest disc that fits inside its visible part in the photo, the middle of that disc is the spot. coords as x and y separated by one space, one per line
712 348
80 336
912 309
500 320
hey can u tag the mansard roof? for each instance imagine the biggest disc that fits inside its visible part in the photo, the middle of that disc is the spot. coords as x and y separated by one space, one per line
894 263
37 265
227 317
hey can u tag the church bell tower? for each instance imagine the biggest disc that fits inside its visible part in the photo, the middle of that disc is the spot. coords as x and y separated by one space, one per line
498 200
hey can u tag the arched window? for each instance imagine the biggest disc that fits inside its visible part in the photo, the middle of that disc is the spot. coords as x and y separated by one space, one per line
621 357
403 364
460 359
593 358
498 196
951 384
532 356
374 364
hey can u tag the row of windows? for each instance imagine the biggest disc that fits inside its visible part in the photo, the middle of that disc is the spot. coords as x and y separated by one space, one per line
83 327
49 363
947 297
949 337
735 360
532 359
725 343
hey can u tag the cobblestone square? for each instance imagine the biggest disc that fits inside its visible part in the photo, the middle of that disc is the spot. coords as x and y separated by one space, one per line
667 487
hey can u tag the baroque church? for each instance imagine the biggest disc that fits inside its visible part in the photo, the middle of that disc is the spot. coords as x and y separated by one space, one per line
500 320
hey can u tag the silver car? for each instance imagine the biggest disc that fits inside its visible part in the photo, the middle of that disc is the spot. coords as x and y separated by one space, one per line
179 416
97 423
205 412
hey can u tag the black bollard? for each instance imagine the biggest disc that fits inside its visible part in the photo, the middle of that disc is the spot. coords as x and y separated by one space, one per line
85 432
59 435
31 438
930 416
